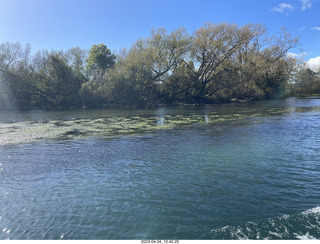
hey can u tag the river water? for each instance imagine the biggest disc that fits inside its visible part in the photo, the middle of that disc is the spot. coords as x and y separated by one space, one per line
233 171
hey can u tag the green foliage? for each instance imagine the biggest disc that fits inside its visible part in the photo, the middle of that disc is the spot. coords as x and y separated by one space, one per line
218 63
100 57
181 85
59 84
44 81
306 82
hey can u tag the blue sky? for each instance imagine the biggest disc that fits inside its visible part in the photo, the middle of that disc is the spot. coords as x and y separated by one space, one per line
62 24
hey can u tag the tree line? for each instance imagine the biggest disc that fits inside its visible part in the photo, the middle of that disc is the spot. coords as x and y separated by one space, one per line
217 63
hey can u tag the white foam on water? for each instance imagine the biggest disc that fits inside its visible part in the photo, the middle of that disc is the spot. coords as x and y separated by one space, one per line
240 234
279 228
306 236
279 235
315 210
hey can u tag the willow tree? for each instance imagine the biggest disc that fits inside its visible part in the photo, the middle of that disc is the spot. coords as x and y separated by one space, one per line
166 51
211 46
262 66
228 60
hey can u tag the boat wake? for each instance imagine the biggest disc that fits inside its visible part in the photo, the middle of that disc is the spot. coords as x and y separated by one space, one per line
302 226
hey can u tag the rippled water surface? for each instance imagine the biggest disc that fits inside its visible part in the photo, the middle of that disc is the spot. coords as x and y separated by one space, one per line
230 171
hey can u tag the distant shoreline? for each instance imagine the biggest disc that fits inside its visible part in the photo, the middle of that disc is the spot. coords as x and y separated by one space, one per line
241 102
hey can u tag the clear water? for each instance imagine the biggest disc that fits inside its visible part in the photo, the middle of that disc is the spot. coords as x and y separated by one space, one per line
213 172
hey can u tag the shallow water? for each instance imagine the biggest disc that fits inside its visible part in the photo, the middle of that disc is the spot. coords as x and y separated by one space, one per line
210 172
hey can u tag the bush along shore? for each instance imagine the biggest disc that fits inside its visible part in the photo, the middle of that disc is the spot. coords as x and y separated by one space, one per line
218 63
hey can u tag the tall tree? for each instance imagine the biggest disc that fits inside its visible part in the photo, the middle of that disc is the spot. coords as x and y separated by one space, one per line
100 57
58 84
226 56
212 46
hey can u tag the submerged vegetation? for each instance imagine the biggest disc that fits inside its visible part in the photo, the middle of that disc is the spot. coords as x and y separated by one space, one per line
99 124
217 63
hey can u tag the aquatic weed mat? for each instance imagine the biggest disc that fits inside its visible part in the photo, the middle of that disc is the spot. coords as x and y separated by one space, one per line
108 127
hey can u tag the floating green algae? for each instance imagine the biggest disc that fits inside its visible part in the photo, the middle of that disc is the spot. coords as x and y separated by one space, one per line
108 127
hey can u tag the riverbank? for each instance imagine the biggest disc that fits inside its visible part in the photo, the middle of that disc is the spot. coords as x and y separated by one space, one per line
14 107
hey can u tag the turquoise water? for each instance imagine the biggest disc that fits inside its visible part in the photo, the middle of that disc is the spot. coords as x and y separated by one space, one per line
211 172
